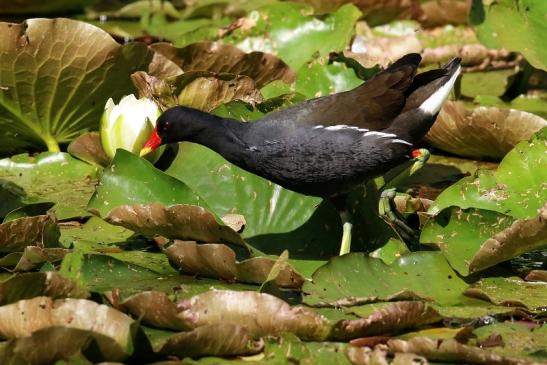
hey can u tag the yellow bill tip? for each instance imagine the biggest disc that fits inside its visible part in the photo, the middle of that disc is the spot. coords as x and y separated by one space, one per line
145 151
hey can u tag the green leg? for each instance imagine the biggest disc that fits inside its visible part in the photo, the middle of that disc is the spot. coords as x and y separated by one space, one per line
387 208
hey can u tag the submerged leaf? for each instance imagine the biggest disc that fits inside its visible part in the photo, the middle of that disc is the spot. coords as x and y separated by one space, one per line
482 132
55 87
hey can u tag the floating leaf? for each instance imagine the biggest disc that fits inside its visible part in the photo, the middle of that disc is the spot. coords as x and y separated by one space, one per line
515 26
219 261
221 339
450 351
48 176
518 188
510 291
19 233
355 279
262 314
33 256
88 148
55 87
155 309
277 218
180 221
206 56
318 79
392 318
30 285
483 131
285 30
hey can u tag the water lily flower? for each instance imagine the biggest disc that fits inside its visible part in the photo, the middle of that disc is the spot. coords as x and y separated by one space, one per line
128 125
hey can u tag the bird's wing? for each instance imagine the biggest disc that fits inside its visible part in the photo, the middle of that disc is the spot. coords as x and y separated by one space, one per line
372 105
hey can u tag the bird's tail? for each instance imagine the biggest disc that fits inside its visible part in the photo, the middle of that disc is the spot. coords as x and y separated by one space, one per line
425 97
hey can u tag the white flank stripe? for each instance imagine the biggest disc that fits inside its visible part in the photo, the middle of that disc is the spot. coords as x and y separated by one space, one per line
401 141
341 127
318 126
434 103
379 134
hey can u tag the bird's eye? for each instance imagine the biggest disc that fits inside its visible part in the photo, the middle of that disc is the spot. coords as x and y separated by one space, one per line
166 126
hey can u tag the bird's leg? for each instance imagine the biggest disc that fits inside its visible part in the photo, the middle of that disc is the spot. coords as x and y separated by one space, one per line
387 208
345 246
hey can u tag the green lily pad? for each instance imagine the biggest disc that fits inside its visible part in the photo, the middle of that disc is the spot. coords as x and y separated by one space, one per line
94 231
355 279
517 26
511 291
148 185
319 79
518 187
536 104
277 218
516 338
291 32
486 82
48 177
53 90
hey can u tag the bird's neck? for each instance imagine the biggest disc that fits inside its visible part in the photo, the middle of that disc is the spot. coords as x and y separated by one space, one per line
224 136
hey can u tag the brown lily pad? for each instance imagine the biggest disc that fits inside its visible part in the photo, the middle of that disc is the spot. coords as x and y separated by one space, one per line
219 261
482 132
225 339
214 57
34 256
180 221
204 90
451 351
537 275
262 314
29 285
111 329
393 318
521 236
88 148
40 230
155 309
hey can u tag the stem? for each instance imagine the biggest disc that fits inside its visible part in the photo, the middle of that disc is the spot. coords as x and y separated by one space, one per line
51 143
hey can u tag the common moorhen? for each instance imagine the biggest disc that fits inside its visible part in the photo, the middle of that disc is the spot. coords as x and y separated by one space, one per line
328 145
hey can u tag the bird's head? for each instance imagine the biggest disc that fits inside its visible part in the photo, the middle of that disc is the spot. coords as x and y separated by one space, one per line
175 125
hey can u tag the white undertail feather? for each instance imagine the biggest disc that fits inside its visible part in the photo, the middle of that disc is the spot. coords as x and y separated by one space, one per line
434 103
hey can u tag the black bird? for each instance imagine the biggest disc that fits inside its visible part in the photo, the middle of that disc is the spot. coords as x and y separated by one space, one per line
328 145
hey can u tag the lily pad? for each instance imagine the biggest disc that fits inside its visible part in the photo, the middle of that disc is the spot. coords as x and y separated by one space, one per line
33 257
511 291
483 131
392 318
277 218
515 26
148 185
19 233
291 32
180 221
203 90
319 79
219 261
53 90
212 340
262 314
88 148
347 280
155 309
518 187
48 176
206 56
30 285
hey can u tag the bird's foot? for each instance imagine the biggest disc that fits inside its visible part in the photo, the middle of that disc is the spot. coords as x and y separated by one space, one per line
388 212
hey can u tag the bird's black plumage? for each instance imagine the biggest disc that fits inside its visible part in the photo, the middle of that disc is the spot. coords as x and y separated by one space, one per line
326 146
